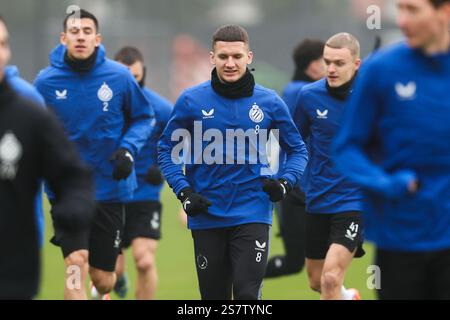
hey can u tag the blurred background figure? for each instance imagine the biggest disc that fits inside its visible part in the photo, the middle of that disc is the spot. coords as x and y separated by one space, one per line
309 67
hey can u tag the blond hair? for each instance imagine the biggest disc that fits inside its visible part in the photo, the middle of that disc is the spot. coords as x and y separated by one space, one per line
345 40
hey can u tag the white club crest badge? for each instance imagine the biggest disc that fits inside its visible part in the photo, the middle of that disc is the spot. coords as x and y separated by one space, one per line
105 95
256 114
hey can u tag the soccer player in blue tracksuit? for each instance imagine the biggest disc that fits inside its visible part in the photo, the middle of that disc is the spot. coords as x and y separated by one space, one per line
143 211
309 67
26 90
228 187
333 204
395 143
106 115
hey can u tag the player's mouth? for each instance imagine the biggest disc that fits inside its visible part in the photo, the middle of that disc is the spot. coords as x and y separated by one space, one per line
230 73
333 78
80 48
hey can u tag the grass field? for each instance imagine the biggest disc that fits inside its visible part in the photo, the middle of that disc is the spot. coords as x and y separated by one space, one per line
175 261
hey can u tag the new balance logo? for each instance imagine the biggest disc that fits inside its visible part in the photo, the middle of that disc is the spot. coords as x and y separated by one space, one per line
260 246
61 95
208 114
406 92
352 231
322 114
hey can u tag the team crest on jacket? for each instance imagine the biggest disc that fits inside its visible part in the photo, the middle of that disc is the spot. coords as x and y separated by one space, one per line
105 94
10 154
256 114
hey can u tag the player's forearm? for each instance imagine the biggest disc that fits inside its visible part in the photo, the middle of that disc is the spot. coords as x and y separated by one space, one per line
171 168
352 161
137 135
295 165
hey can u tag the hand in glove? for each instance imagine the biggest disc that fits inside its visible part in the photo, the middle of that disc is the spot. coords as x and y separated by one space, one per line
74 214
123 164
276 189
193 203
154 176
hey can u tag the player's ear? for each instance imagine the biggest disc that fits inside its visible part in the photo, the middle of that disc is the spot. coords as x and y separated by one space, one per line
63 38
211 57
98 39
250 57
357 64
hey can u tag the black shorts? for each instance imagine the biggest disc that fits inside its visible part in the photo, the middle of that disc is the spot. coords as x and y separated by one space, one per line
103 240
231 262
322 230
142 220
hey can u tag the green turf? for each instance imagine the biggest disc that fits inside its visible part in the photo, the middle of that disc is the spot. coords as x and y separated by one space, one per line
175 261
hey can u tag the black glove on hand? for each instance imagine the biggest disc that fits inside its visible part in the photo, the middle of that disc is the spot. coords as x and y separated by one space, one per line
193 203
154 176
123 164
276 189
75 214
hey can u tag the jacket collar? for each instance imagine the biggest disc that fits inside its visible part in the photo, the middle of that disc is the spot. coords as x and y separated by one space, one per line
57 57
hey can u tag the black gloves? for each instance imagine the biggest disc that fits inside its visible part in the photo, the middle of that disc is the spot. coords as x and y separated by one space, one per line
276 189
74 214
154 176
193 203
123 164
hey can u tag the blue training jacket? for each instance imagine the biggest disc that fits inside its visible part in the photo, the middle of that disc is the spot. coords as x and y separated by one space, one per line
318 117
290 93
101 110
27 91
396 128
235 189
148 156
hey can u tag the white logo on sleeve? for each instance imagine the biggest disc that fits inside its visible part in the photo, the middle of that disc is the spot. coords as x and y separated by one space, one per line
208 114
105 95
406 92
61 95
10 154
256 114
352 231
322 114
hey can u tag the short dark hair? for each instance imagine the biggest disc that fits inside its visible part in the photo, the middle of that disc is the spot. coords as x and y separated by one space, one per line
438 3
129 56
230 33
306 52
84 14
